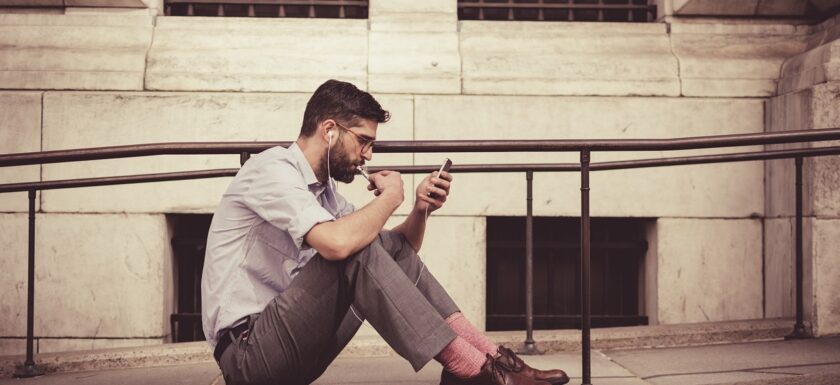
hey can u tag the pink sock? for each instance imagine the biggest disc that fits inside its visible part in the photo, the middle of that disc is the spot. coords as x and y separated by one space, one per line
467 331
461 359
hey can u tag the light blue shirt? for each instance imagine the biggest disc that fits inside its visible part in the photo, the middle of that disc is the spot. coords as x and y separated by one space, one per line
256 246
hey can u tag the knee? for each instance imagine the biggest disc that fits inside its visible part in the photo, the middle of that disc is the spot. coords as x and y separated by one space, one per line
397 245
373 251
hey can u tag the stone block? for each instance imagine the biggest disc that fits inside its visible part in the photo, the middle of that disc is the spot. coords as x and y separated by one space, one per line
414 48
414 62
714 7
779 268
826 278
722 190
826 169
247 54
454 250
109 119
765 8
29 11
20 131
828 30
386 8
786 112
826 113
527 58
826 186
33 3
824 5
414 22
96 276
53 345
709 270
729 60
78 51
811 108
106 3
780 187
103 275
14 233
12 347
782 8
818 65
146 8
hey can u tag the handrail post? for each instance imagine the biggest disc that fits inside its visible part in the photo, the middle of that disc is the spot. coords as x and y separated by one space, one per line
799 328
29 369
530 346
243 157
584 265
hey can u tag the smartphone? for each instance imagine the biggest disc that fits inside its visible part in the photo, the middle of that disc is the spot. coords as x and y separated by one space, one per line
444 167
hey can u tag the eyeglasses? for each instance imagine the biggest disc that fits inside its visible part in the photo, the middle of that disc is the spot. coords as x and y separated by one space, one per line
365 142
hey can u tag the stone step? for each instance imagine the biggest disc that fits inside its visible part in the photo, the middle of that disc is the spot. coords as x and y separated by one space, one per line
372 346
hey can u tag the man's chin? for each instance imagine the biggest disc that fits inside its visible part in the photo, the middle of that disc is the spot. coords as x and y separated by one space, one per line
346 178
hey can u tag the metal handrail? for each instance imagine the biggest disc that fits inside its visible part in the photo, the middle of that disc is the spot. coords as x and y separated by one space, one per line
422 169
584 147
569 145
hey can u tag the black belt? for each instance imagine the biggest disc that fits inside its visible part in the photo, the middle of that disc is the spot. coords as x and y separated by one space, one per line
228 336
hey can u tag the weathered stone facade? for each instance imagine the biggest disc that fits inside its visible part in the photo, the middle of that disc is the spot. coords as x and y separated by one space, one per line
720 249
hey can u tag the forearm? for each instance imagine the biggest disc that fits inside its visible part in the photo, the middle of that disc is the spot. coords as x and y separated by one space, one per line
414 228
345 236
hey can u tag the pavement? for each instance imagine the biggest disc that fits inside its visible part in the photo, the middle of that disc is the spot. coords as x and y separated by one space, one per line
776 362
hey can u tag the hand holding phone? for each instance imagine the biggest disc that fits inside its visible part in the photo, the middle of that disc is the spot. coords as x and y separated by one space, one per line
444 167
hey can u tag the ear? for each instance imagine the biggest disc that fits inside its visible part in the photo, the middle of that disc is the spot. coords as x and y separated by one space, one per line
328 127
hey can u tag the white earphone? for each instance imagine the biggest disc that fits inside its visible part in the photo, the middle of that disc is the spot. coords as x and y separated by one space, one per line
329 176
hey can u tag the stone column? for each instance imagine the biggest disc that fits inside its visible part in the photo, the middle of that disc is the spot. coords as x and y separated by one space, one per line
808 98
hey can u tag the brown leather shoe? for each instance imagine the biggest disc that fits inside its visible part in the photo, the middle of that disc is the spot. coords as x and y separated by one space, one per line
512 362
492 373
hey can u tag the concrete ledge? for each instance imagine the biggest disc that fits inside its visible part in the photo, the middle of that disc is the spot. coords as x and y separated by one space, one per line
547 341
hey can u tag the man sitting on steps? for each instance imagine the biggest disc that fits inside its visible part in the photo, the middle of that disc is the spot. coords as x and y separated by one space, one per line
292 268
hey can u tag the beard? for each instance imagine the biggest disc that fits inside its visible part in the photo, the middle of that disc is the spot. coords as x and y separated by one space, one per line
341 167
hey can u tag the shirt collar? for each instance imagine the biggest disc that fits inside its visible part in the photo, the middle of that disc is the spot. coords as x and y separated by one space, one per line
308 174
309 177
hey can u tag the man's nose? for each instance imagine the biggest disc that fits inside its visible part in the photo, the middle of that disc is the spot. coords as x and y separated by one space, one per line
368 155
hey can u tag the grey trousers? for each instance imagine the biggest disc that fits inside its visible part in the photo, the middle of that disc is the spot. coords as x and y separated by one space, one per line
302 330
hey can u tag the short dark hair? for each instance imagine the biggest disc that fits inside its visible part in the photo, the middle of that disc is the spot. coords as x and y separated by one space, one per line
341 101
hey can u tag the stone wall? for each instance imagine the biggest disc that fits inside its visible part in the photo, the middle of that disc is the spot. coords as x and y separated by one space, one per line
87 79
808 98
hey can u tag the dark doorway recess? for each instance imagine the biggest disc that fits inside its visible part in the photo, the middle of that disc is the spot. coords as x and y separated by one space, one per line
618 253
189 239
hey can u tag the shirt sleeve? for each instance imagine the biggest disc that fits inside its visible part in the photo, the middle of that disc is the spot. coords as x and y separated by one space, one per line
278 195
344 206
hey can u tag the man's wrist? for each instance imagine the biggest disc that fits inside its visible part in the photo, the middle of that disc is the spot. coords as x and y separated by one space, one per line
395 197
417 208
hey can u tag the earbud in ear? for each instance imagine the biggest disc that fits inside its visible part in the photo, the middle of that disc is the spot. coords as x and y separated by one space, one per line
329 137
